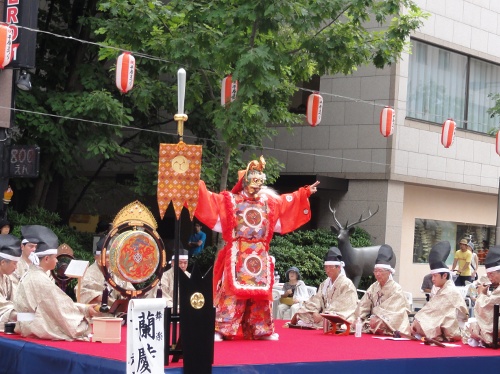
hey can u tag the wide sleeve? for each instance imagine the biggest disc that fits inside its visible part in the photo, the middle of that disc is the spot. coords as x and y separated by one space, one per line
393 310
92 285
294 210
364 308
344 301
7 312
209 206
315 303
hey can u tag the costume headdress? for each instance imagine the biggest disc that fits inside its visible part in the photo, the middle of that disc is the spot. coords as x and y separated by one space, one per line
437 257
10 247
384 257
254 165
492 260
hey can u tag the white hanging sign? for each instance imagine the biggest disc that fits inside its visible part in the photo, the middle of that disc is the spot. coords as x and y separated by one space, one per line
145 336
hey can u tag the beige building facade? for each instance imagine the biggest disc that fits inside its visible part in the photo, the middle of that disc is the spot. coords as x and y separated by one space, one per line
425 192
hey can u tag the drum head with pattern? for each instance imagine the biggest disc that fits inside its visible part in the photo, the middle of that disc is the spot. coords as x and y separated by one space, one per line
134 256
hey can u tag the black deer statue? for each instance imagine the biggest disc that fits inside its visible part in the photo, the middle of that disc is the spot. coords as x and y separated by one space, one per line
358 261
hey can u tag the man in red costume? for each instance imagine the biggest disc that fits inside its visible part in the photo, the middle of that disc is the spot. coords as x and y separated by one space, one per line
243 271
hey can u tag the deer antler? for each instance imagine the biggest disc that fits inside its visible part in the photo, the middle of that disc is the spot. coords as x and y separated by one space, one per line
339 226
361 219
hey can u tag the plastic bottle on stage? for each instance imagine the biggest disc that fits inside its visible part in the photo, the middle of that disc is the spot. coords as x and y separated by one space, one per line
359 327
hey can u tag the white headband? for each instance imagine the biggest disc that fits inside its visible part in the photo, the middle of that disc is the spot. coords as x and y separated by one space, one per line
9 257
386 267
181 257
47 252
494 268
440 270
25 241
341 263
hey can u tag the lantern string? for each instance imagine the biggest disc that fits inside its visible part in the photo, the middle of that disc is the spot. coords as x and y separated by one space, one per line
99 123
156 58
101 45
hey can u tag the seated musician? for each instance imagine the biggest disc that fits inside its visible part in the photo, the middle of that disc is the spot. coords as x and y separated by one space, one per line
479 330
92 283
10 253
442 317
167 279
384 309
48 312
336 295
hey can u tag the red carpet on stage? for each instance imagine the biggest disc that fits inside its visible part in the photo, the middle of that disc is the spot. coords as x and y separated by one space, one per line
294 346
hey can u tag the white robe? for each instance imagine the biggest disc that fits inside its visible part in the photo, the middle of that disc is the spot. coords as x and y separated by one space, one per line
7 311
56 316
482 328
388 304
338 297
443 315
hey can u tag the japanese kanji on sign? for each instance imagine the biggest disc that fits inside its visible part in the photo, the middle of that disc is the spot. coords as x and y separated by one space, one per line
145 337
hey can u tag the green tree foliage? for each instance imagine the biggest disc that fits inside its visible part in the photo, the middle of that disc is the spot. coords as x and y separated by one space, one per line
81 243
269 46
494 111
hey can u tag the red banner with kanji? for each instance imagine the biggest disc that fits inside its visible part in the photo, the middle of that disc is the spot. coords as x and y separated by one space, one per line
179 169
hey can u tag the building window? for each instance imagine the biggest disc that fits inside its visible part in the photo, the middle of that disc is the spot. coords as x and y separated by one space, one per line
484 79
428 232
443 84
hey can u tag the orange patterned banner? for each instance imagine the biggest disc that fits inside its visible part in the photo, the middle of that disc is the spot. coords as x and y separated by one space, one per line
179 169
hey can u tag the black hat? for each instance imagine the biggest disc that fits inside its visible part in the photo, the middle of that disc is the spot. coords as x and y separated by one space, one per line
102 226
333 257
10 247
99 245
384 258
30 234
293 268
437 257
492 260
4 222
45 237
183 254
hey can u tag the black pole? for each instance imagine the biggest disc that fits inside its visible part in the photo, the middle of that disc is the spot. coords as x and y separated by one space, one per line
175 307
495 325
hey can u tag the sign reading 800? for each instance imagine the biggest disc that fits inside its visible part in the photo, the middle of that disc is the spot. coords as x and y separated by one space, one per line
24 161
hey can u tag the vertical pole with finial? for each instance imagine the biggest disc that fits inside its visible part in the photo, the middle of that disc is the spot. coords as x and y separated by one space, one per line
180 118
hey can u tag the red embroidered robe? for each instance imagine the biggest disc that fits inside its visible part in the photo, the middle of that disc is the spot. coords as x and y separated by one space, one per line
247 227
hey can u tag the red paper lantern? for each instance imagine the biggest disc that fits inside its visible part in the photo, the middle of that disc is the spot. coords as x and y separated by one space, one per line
497 143
448 133
125 72
6 40
228 90
314 109
387 121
